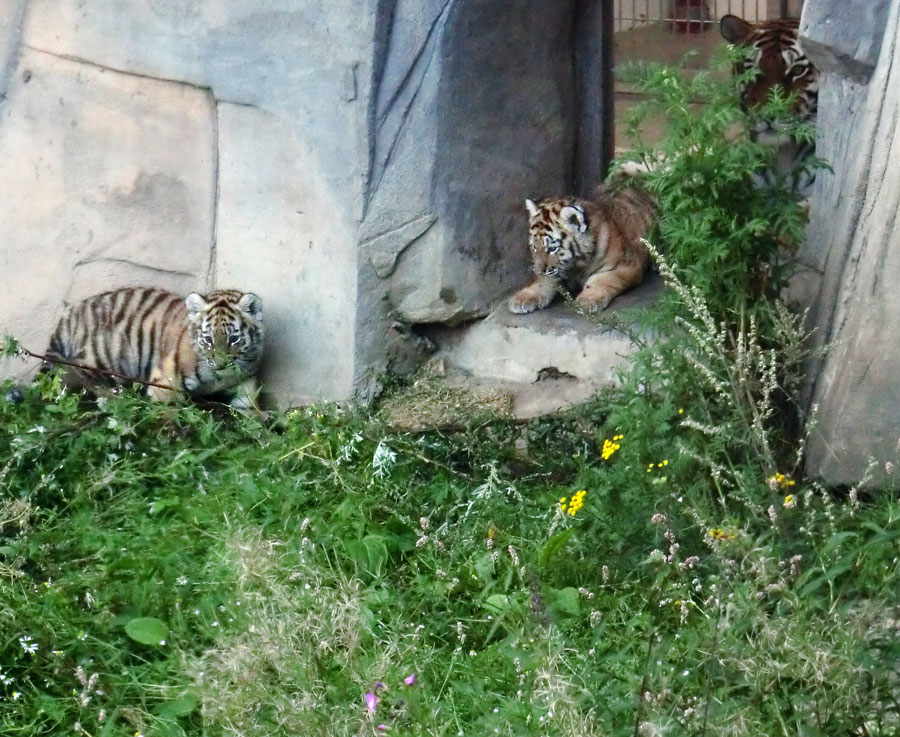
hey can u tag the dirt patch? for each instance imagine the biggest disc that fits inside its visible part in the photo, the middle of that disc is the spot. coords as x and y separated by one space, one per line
435 402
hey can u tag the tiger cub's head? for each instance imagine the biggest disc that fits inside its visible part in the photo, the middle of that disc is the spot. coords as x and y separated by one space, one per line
772 49
226 329
557 234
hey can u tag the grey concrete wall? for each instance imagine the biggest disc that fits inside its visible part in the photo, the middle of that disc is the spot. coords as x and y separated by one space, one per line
190 145
358 164
471 110
852 253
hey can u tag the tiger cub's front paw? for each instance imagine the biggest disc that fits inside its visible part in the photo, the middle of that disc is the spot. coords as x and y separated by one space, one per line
528 300
594 300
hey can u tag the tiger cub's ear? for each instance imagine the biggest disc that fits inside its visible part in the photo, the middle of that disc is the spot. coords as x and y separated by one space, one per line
735 30
251 304
573 217
531 207
195 304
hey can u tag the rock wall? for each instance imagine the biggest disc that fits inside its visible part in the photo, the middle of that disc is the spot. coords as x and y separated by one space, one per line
360 164
853 244
189 145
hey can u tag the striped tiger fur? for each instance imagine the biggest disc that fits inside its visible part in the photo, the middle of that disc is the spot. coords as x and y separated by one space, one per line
773 49
198 345
591 247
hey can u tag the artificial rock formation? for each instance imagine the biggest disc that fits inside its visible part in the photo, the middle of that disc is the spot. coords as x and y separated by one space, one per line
357 163
853 243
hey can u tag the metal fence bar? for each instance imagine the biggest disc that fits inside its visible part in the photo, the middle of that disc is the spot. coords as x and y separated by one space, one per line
681 16
594 75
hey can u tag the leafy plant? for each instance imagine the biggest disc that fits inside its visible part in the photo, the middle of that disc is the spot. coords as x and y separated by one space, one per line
731 236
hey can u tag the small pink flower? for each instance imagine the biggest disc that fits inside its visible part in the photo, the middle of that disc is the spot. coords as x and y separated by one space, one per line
410 679
371 702
378 684
382 727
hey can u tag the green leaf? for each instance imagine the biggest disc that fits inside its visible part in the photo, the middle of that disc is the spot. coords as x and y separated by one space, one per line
9 347
831 574
836 540
484 567
368 615
370 554
566 601
147 630
554 545
181 707
160 505
879 531
496 603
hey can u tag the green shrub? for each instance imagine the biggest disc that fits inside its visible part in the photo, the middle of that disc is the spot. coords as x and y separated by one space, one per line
731 239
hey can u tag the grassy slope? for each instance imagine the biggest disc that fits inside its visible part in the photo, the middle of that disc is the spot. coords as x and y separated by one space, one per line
294 570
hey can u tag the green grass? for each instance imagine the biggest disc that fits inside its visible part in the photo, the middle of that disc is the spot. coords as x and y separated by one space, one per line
292 570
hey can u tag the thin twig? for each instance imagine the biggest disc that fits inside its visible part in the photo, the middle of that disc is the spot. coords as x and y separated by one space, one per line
715 645
93 369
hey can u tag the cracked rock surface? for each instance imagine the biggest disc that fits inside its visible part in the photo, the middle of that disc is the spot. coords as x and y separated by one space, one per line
852 251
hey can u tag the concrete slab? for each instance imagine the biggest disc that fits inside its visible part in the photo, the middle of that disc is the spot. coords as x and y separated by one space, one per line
547 360
277 237
11 14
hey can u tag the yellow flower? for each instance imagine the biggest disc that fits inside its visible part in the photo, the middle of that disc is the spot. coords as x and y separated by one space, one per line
780 481
717 533
610 447
789 501
576 503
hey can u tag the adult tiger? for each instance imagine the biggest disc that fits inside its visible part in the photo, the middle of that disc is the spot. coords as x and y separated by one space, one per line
773 50
199 345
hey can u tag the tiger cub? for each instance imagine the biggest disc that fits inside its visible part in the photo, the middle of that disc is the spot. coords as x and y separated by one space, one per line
591 247
199 345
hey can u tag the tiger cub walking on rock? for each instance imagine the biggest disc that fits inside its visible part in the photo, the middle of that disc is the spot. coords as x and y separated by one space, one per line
199 345
591 247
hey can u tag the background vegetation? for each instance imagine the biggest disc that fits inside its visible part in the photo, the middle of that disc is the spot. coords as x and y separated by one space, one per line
652 563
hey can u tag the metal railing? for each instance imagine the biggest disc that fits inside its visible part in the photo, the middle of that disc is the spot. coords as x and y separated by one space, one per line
694 16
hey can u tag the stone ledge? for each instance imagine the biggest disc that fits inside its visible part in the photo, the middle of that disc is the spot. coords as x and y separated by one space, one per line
547 360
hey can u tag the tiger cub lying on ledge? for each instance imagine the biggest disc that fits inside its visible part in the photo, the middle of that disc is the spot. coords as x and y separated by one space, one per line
591 247
199 345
